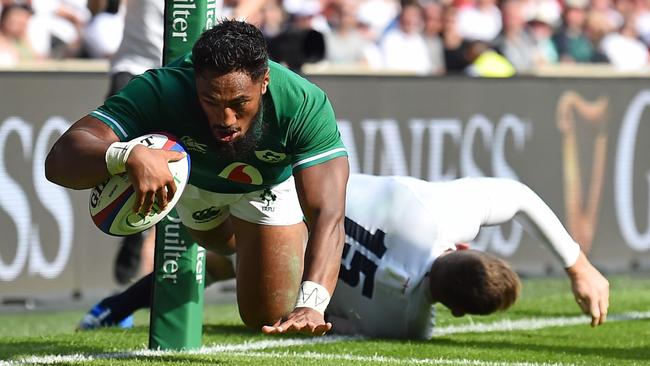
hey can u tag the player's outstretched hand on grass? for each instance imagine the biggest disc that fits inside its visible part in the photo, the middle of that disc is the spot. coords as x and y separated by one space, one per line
590 288
300 320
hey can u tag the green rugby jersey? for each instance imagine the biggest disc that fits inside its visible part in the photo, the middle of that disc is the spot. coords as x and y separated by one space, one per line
300 127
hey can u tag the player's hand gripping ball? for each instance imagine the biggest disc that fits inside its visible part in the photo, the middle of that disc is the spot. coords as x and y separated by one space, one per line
111 202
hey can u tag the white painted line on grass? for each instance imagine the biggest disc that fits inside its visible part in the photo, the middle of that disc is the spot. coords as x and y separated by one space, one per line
247 349
531 323
309 355
207 350
392 360
276 343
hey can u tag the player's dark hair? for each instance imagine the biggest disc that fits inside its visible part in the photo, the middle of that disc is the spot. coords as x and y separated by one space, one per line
474 282
229 46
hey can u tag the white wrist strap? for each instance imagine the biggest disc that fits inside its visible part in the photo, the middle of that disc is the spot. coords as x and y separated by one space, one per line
312 295
116 156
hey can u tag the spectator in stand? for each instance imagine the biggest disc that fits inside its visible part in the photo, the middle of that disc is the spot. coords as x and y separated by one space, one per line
300 42
273 19
541 29
36 36
624 49
606 9
403 48
571 42
515 42
103 34
433 26
377 15
346 44
626 8
480 20
15 46
455 61
550 8
249 10
597 26
642 21
306 14
485 62
62 23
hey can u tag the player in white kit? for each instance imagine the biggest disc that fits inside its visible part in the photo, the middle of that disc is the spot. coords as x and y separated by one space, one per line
401 256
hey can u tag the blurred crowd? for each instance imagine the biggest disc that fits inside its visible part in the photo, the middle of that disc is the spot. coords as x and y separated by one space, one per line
426 37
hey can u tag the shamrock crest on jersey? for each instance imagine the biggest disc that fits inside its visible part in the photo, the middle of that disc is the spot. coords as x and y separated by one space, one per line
269 156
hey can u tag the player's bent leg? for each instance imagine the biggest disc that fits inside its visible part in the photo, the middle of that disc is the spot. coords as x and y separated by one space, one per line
206 217
220 239
219 267
270 238
269 270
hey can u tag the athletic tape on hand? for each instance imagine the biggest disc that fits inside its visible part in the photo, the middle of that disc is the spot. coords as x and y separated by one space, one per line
116 156
313 295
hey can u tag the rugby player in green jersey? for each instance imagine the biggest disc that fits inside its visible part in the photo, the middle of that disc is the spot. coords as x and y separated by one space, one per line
265 150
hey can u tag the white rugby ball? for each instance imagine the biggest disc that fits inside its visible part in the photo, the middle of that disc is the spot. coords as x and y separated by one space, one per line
111 203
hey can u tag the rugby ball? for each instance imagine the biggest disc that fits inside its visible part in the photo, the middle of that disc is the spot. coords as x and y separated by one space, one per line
111 202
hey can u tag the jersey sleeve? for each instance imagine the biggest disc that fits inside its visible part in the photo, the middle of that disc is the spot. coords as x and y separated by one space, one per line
130 113
506 198
315 135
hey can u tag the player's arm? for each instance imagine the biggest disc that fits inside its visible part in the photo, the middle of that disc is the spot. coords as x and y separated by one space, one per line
507 198
321 191
78 160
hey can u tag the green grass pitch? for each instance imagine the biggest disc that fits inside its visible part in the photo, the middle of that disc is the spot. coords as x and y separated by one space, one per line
543 328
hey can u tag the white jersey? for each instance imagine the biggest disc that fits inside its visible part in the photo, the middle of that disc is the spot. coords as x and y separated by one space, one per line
142 42
395 229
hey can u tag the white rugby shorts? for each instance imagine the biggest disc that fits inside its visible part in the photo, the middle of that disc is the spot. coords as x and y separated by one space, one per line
204 210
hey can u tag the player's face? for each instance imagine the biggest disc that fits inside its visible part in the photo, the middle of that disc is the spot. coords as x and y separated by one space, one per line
231 102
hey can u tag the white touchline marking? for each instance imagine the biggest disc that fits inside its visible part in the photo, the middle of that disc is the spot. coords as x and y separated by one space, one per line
295 355
392 360
259 345
531 323
207 350
244 349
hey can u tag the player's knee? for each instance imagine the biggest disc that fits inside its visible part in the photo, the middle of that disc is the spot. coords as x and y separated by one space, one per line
264 308
259 316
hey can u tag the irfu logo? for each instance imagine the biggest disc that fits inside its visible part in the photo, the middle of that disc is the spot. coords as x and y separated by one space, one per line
269 198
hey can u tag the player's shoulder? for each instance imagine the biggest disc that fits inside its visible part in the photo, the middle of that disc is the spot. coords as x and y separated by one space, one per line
285 81
179 70
176 80
295 98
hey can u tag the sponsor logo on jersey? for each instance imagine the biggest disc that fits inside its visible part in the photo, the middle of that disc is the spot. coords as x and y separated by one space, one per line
192 145
206 214
269 156
242 173
268 197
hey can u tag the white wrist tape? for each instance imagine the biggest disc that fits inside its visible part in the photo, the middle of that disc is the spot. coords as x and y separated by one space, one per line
312 295
116 156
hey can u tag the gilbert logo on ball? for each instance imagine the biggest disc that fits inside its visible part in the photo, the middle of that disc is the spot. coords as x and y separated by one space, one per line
111 202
